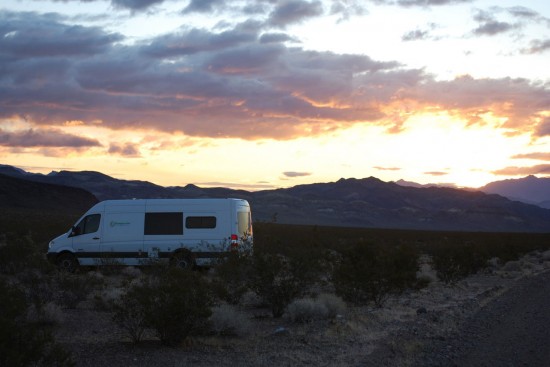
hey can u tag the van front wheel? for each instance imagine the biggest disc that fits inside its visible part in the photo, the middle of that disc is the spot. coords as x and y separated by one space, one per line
67 262
183 260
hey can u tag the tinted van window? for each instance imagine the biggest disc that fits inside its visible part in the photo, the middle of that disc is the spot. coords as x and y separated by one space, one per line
200 222
163 223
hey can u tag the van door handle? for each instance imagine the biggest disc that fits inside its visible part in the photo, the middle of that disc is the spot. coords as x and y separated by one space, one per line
95 238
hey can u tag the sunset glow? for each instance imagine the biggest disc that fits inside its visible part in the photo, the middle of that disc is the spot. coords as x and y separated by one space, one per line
259 95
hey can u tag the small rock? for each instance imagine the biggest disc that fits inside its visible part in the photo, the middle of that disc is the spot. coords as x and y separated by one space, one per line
421 310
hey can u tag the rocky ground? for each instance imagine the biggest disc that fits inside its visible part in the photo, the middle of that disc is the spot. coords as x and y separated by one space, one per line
417 328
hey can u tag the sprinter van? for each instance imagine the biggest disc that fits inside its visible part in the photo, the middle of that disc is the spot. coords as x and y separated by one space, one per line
186 232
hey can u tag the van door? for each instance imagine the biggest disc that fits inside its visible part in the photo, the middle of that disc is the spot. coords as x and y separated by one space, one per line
86 238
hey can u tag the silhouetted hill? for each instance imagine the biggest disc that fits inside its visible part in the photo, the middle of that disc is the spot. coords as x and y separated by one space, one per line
530 189
23 194
367 202
373 203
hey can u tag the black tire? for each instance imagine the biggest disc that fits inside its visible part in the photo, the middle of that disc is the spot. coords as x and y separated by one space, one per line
67 262
183 260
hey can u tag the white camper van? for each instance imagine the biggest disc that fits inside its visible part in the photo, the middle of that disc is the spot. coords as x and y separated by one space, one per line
187 232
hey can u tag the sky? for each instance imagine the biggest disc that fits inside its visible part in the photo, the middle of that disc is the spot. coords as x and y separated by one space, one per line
262 94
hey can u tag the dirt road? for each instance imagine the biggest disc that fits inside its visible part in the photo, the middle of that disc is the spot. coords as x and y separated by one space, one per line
512 330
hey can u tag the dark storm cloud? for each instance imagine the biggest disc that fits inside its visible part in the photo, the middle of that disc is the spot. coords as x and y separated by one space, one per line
294 11
229 83
44 138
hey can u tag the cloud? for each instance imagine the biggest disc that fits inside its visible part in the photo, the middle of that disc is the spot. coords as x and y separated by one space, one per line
423 3
19 37
230 82
543 156
543 169
294 11
202 6
234 185
387 168
44 138
127 150
293 174
537 47
489 26
436 173
419 34
543 129
135 5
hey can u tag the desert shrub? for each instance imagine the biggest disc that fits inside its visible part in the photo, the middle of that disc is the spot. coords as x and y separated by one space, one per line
175 304
306 310
23 342
232 277
75 288
456 262
277 280
228 321
369 273
48 314
18 253
334 304
130 311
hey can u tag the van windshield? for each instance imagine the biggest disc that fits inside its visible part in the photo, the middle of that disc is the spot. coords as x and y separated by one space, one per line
89 224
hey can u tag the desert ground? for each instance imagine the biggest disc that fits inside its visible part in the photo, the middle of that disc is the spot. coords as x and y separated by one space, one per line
405 332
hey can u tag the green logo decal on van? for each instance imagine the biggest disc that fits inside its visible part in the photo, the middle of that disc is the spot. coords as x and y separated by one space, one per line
113 223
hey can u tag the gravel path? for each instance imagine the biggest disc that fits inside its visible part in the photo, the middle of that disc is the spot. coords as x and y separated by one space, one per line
512 330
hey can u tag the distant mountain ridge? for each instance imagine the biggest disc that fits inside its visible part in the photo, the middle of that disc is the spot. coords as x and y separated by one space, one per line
367 202
530 189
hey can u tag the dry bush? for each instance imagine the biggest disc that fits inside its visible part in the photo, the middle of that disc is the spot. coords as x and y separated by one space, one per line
24 342
75 288
48 314
175 304
131 272
369 273
277 280
306 310
226 320
325 306
334 304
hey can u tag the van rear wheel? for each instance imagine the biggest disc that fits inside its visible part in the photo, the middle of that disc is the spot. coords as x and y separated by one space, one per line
67 262
183 260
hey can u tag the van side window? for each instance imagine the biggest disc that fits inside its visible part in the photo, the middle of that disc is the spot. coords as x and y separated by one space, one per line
200 222
163 223
88 224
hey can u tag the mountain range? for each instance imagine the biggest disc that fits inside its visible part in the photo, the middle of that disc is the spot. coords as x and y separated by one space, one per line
367 202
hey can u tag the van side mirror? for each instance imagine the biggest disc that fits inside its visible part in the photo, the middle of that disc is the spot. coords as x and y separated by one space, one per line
75 231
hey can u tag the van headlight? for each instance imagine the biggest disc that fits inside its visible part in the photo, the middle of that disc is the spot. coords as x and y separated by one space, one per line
51 244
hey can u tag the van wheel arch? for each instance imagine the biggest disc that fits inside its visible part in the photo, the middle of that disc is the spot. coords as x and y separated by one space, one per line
183 259
67 261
